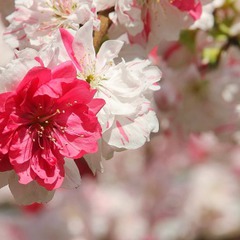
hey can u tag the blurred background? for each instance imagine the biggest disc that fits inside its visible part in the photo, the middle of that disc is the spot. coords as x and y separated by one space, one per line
182 185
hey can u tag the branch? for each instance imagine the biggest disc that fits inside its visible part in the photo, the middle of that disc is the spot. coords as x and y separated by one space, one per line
105 23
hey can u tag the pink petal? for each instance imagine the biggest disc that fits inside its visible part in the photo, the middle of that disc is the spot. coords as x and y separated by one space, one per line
67 39
64 70
196 12
21 147
36 76
55 181
96 104
80 92
24 172
5 164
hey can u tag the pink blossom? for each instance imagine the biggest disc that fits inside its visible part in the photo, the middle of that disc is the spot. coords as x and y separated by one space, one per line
50 115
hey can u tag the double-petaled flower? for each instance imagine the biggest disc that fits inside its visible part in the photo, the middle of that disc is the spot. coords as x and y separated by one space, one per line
50 115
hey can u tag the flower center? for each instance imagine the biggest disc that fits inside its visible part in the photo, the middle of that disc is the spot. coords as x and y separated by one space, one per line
93 80
40 126
62 9
43 124
90 78
45 119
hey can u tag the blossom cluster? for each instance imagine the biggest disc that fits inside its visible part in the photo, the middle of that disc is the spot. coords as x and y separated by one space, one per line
69 95
80 86
80 81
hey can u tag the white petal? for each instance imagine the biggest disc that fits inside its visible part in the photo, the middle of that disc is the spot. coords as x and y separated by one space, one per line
94 160
14 72
116 105
103 4
72 177
8 53
83 46
131 133
123 82
150 74
108 151
108 51
29 193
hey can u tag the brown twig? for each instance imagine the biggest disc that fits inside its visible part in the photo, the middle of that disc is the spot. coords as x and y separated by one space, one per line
104 26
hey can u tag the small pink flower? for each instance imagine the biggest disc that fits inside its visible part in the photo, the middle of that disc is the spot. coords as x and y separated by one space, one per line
50 115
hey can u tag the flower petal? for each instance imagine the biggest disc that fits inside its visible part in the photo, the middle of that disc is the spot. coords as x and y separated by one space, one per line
64 70
131 133
67 39
83 46
21 147
29 193
72 177
108 51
